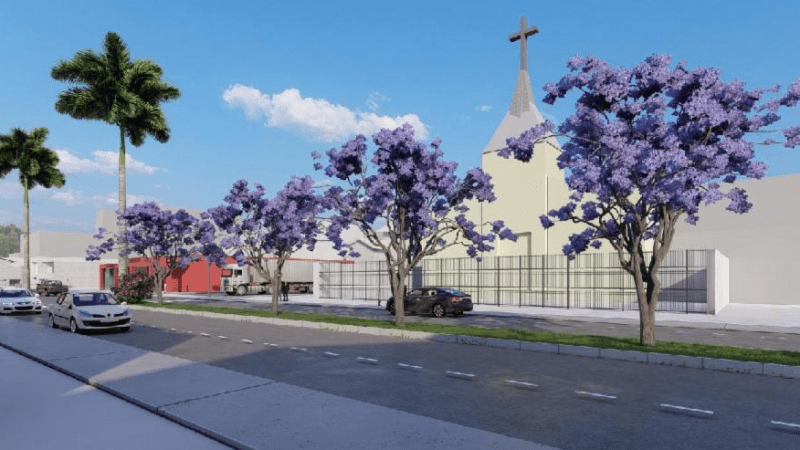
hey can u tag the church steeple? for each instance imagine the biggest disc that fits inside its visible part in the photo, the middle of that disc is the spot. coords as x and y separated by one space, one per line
523 95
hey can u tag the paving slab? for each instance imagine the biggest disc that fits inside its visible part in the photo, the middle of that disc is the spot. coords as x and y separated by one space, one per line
279 415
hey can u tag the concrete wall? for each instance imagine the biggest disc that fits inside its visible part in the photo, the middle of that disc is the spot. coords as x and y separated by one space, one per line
58 244
762 246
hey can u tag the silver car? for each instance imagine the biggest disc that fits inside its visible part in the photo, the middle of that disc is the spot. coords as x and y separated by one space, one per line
89 310
19 300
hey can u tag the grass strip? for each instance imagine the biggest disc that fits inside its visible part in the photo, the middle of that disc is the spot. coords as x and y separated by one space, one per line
790 358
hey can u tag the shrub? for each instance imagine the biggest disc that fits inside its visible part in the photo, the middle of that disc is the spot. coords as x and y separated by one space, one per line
134 287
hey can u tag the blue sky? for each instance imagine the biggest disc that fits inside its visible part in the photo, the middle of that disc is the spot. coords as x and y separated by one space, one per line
265 83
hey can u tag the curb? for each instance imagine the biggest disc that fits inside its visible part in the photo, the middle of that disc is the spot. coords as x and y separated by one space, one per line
693 362
146 406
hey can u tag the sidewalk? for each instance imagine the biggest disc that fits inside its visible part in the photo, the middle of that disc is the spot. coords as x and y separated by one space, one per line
735 316
243 411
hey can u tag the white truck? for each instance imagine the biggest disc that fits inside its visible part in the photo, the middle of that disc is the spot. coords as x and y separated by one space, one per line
241 280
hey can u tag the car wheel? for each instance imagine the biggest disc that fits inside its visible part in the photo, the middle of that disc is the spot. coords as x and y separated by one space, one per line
73 326
391 308
438 310
52 321
241 290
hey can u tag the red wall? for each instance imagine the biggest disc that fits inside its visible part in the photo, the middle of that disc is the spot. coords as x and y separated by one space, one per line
196 277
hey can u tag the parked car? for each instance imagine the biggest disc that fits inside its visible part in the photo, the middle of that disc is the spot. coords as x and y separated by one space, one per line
51 287
19 300
437 301
89 310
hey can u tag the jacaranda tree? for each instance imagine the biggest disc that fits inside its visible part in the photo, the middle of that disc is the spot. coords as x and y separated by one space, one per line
254 227
166 240
37 166
646 146
414 193
111 87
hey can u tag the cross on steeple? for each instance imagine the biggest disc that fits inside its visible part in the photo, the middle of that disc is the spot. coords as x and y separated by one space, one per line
522 36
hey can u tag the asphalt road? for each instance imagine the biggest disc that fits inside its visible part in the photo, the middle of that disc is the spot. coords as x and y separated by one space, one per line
748 339
577 402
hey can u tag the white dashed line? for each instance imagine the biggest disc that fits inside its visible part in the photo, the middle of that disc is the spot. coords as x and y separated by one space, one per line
172 329
267 344
362 359
247 341
522 385
298 349
785 426
463 376
720 334
331 354
595 395
686 410
409 366
205 335
782 338
223 337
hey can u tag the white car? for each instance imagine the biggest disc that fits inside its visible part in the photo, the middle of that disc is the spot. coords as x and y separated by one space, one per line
19 300
89 310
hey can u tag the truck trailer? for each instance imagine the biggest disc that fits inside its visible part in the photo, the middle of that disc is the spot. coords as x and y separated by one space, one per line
241 280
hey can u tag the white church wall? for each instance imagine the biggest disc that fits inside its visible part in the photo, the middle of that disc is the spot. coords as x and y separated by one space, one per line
761 246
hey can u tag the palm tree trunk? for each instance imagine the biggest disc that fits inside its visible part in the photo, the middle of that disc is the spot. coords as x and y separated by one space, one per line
122 260
26 240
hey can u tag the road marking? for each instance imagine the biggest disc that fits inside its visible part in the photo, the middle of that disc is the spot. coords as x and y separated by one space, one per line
270 345
222 337
595 395
785 426
331 354
298 349
463 376
409 366
720 334
205 335
686 410
522 385
189 332
172 329
782 338
247 341
362 359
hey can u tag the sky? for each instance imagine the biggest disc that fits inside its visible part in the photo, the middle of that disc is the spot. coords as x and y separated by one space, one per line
266 83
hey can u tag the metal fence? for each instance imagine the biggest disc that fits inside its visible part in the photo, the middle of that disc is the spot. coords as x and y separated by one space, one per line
590 281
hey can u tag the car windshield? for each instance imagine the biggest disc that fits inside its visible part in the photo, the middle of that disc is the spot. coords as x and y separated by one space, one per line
453 291
15 294
93 298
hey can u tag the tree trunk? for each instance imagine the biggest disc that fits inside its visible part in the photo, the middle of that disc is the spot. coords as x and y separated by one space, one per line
398 289
122 260
647 323
26 238
276 288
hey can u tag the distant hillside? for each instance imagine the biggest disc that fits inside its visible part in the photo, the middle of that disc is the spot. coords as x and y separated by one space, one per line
9 239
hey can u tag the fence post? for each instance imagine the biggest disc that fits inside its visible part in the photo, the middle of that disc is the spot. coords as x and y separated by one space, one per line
567 281
341 280
544 278
520 281
498 260
686 280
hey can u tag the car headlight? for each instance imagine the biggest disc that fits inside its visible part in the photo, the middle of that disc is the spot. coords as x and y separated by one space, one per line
8 304
37 302
83 313
126 312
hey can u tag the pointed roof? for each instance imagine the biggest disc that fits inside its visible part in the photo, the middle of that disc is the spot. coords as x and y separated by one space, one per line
522 114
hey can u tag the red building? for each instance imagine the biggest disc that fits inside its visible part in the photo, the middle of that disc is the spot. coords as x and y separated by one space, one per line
198 276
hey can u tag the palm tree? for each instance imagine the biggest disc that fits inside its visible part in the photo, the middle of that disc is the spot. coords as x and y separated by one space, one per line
110 87
37 167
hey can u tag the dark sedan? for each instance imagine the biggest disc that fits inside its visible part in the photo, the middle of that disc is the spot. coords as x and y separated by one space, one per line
437 301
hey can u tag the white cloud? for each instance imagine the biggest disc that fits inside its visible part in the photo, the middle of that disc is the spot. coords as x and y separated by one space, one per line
375 99
318 119
484 108
69 197
103 162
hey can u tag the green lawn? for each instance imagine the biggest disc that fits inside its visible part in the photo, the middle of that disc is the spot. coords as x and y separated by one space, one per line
674 348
